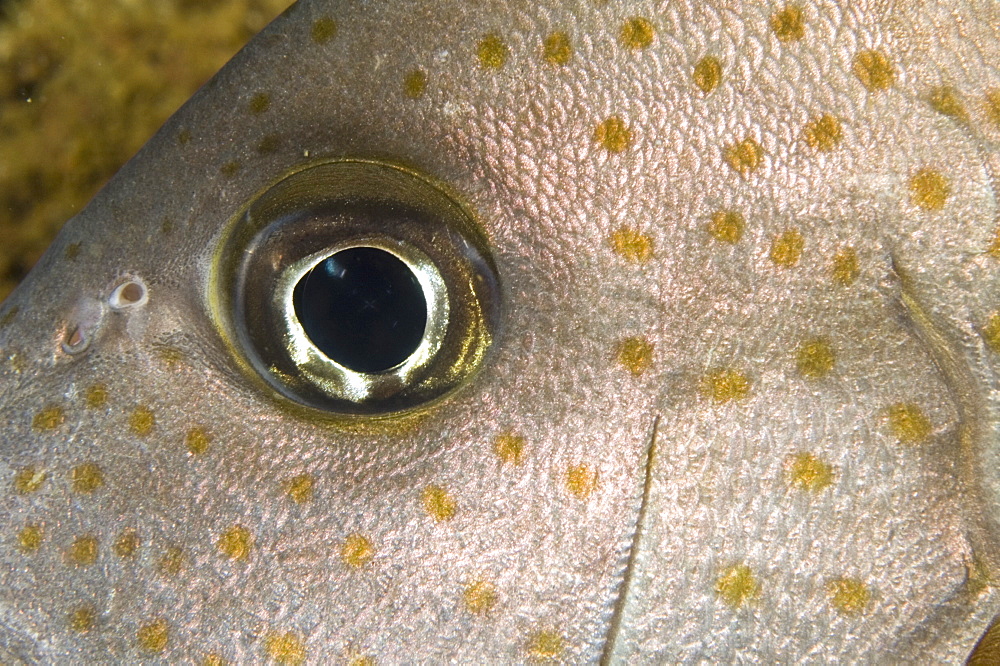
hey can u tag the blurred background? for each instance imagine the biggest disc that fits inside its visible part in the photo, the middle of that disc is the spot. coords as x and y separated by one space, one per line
83 84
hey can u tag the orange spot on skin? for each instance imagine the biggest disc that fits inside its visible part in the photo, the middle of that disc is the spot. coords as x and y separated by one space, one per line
49 418
492 51
744 157
737 585
28 480
287 649
581 480
874 70
86 478
930 189
788 23
637 33
708 74
614 135
479 596
632 245
509 448
786 250
356 551
845 266
727 226
849 596
557 49
636 355
236 542
438 503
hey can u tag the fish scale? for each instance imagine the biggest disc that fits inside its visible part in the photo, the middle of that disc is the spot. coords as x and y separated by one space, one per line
708 372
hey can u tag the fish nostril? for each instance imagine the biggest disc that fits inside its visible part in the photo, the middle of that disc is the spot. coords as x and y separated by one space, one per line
129 294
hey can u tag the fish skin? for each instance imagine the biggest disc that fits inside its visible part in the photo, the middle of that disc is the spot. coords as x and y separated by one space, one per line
791 508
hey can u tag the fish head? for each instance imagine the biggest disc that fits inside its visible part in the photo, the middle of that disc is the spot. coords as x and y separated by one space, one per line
509 332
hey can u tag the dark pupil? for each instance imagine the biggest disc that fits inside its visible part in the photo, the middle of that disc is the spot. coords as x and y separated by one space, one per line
363 308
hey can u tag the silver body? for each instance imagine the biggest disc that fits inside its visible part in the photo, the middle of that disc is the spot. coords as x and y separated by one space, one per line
659 510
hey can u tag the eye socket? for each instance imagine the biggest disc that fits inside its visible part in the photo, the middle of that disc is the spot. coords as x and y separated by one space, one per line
357 287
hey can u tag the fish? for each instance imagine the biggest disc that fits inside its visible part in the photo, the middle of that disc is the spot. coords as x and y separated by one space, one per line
514 332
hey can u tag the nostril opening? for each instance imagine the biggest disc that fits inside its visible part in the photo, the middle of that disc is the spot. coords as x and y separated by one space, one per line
129 294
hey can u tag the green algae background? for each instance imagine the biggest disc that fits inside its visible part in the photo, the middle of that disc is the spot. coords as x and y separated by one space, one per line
83 84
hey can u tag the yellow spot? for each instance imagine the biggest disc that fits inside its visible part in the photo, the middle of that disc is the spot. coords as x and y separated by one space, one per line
726 226
356 551
632 245
86 478
72 251
637 33
142 421
260 103
480 596
815 358
991 332
723 385
184 137
807 472
744 157
286 648
737 585
908 423
49 418
29 539
823 133
635 354
708 74
509 448
874 70
845 266
930 189
235 543
167 226
323 30
9 316
300 488
994 249
788 24
213 659
154 636
438 502
358 659
614 135
848 595
126 544
28 480
172 562
415 83
557 49
992 102
545 645
492 51
786 250
197 441
171 356
82 619
96 396
269 144
84 550
230 168
581 480
946 101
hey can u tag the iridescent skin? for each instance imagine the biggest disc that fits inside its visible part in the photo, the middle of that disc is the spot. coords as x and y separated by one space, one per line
743 403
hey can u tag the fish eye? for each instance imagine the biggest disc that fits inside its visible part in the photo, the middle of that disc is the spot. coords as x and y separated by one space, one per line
357 287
